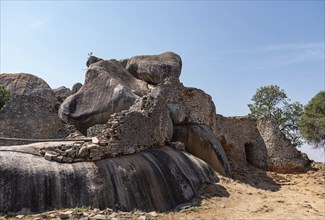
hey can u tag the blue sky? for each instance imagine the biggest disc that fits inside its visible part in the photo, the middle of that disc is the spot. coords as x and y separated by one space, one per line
228 48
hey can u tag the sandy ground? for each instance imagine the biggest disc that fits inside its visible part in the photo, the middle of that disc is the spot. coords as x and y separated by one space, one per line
256 194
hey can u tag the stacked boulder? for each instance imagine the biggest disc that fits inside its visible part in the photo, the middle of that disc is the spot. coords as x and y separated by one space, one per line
136 104
148 134
152 143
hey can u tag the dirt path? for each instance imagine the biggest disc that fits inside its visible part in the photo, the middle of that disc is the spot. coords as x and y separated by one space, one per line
256 194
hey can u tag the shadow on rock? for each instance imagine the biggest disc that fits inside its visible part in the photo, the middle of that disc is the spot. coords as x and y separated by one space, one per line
255 177
211 190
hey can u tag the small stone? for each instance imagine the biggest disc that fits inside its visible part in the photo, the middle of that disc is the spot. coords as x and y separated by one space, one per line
85 214
94 140
142 217
103 142
92 146
83 152
58 158
19 216
96 158
153 214
113 215
67 160
71 152
52 215
221 205
98 217
63 215
50 155
108 211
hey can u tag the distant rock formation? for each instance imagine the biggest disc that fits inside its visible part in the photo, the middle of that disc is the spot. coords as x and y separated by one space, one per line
31 112
75 88
61 94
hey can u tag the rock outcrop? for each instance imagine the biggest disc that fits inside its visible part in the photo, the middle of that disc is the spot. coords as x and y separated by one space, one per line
158 179
128 115
202 143
155 69
282 156
61 94
31 111
108 89
152 142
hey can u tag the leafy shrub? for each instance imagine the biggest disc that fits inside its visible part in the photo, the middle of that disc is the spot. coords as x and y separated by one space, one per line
4 96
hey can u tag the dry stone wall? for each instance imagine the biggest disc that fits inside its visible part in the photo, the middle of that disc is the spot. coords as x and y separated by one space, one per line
259 142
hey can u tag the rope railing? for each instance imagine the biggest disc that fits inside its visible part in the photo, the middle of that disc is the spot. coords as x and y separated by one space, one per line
42 140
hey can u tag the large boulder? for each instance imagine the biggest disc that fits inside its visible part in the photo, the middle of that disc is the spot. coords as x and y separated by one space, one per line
61 94
158 179
155 69
200 141
108 89
31 111
282 156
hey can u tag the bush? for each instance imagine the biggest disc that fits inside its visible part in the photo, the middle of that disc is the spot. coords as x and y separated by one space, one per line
312 121
4 96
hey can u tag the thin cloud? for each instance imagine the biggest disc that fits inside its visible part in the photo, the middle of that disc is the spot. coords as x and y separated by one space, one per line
286 59
279 55
297 46
276 47
40 24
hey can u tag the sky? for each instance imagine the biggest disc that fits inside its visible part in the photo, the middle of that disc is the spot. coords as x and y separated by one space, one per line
229 48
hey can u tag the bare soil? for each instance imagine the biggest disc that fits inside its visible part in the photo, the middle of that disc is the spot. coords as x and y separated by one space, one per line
257 194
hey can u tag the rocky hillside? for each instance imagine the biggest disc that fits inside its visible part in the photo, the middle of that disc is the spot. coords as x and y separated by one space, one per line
132 137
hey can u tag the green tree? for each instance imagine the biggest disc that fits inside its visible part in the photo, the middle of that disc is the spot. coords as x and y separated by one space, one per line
271 101
312 121
4 96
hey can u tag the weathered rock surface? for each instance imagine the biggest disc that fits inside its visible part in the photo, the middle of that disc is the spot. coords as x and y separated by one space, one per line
158 179
31 112
241 140
202 143
61 94
92 59
155 69
177 113
141 119
108 89
75 88
282 156
199 105
258 142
